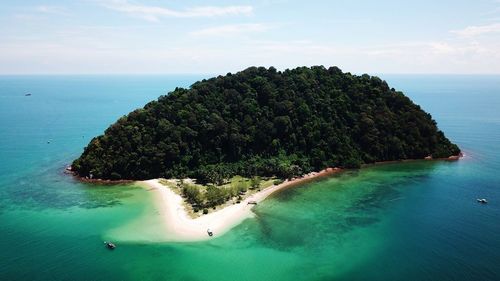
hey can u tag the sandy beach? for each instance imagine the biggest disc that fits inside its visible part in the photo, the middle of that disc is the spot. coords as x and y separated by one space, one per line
181 227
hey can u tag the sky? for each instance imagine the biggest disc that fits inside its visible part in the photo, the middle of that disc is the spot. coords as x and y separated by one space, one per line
216 37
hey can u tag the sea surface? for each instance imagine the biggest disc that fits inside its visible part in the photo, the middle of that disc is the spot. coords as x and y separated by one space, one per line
408 221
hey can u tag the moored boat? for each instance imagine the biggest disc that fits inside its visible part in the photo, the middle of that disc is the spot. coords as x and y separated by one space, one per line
110 245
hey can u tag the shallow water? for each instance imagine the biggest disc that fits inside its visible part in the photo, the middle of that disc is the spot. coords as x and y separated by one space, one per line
411 221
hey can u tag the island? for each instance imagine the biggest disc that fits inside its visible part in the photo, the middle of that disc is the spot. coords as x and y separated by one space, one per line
228 142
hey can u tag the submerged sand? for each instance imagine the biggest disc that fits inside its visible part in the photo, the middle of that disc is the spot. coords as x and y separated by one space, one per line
180 227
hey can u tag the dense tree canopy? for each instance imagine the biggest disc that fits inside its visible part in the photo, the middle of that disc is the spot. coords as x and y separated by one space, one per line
265 122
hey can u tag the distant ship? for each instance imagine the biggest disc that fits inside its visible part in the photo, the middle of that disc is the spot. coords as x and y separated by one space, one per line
27 95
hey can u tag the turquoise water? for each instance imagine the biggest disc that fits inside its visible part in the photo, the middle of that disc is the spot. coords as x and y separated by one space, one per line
412 221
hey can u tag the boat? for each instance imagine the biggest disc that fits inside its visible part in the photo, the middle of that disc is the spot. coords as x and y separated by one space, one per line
209 232
482 200
27 95
252 202
110 245
68 170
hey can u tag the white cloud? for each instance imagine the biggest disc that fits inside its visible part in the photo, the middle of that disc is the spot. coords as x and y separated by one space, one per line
39 13
232 29
88 57
154 13
51 10
476 30
125 49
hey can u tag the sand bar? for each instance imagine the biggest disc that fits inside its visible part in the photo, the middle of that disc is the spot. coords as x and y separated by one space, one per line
181 227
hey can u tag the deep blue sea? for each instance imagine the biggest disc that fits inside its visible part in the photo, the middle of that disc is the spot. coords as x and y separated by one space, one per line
409 221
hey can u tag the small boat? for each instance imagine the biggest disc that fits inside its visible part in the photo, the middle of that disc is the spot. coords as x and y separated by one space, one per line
483 201
252 202
110 245
209 232
27 95
68 170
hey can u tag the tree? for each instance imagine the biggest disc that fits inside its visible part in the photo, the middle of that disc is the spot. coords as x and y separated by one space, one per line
214 196
192 194
255 182
265 122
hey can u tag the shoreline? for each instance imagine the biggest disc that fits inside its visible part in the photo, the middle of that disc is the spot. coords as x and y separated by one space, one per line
180 227
98 181
428 158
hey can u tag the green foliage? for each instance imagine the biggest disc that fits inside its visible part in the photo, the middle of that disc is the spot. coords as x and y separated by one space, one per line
242 186
238 185
215 196
278 181
268 123
210 196
255 182
214 174
192 194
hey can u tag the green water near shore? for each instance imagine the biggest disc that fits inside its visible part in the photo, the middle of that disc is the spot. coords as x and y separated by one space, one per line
292 233
409 221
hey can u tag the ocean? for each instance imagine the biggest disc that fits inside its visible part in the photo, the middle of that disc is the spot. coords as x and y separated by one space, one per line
404 221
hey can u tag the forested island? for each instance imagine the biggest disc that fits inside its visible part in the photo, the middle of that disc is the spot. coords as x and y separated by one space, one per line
264 122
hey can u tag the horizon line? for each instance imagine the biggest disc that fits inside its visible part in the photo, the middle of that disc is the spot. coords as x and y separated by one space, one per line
219 74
